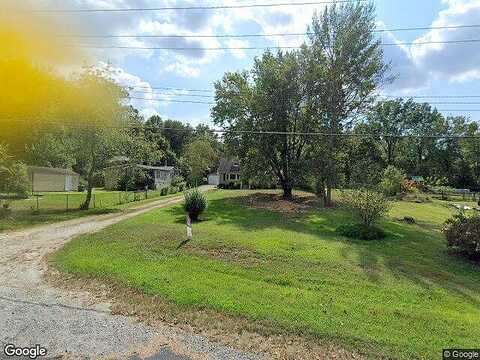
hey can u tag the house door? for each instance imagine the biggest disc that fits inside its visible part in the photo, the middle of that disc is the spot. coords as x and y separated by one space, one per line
68 183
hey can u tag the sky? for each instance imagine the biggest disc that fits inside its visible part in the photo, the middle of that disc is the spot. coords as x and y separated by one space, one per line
421 69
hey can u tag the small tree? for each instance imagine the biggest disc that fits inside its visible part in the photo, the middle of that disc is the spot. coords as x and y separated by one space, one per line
200 156
392 181
13 178
367 205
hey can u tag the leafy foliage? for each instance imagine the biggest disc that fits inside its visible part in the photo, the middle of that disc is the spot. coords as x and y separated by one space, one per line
195 203
392 181
200 156
13 175
463 233
367 205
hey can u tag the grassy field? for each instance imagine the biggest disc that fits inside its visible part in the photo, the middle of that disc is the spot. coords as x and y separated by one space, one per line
60 206
272 262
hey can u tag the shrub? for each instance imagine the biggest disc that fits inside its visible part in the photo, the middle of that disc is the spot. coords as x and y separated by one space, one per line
392 181
182 186
177 180
195 203
360 231
172 190
463 234
367 205
164 191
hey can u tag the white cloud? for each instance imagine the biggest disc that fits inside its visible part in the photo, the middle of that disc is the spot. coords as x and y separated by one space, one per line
235 43
183 69
453 62
143 97
415 65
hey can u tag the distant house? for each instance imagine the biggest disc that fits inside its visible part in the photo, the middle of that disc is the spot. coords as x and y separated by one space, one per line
44 179
213 179
161 175
417 179
229 172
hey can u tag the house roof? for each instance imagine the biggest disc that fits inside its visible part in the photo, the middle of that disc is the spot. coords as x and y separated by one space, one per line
228 165
51 170
162 168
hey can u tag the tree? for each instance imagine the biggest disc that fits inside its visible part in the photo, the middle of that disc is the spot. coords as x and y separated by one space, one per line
390 118
13 174
178 135
392 181
50 149
423 123
200 156
96 128
345 67
269 98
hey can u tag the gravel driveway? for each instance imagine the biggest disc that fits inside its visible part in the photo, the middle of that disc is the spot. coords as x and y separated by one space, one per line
72 324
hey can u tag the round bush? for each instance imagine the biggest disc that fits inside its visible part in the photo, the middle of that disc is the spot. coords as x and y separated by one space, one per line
361 231
173 190
195 203
164 191
463 234
366 205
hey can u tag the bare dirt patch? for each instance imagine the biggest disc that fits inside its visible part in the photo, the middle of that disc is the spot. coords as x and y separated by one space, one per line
260 337
301 203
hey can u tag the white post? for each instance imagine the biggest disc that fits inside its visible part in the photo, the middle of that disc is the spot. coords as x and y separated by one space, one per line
189 228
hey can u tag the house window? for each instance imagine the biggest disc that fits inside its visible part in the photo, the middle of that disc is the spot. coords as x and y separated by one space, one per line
232 176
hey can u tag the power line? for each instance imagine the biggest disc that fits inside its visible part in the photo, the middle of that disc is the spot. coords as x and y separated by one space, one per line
170 88
172 94
139 36
266 132
91 46
211 103
431 96
147 88
200 7
172 100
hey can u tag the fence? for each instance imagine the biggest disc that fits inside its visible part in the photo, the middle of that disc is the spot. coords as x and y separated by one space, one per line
457 195
72 201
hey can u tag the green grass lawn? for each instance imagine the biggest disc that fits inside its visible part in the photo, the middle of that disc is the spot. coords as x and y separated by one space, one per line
53 206
401 297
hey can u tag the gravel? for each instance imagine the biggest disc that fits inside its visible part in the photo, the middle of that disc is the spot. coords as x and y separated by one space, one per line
73 324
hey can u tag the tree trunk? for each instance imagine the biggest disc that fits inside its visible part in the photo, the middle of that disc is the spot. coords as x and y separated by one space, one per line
86 203
320 191
328 198
287 191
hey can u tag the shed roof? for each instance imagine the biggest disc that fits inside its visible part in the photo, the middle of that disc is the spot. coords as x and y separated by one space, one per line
51 170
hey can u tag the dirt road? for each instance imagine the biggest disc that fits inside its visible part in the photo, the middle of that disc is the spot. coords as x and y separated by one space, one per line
72 324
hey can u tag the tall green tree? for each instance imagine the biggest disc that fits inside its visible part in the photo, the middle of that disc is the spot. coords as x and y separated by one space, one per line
345 68
96 127
390 120
269 98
